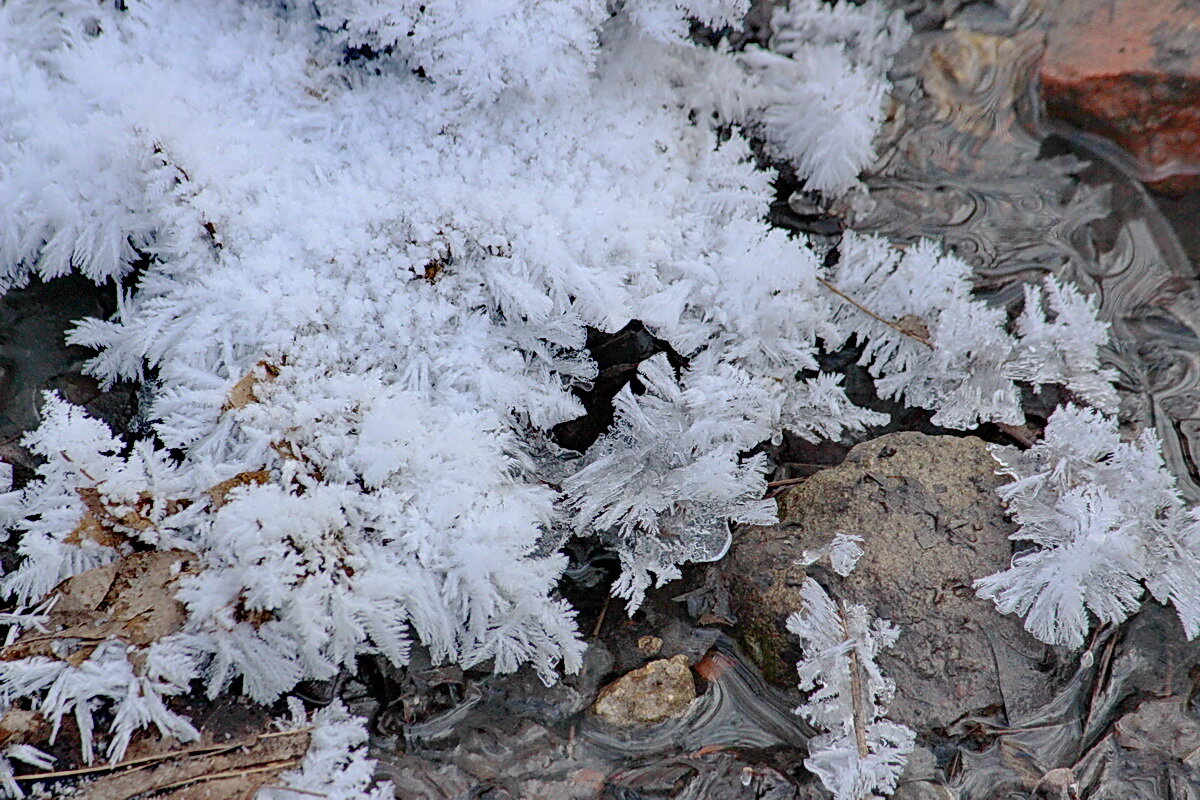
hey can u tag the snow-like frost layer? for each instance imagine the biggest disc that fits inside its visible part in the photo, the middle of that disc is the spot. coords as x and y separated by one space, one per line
336 764
371 262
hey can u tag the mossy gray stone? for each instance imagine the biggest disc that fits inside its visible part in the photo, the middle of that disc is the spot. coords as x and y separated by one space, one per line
932 523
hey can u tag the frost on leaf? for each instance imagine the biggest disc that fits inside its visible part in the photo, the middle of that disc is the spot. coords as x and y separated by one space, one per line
1106 521
89 505
106 674
860 753
107 637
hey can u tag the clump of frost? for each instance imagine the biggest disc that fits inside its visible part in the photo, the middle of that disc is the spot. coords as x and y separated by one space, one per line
89 504
931 344
107 674
272 548
843 552
860 753
26 754
816 95
369 264
1060 339
1107 521
869 34
479 50
336 765
667 477
823 117
670 20
64 208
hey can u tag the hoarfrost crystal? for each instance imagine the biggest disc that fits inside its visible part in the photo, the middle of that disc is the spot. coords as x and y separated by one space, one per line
369 255
860 753
1106 520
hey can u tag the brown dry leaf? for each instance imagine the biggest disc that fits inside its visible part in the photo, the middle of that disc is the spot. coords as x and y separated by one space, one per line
18 726
230 771
433 269
220 492
132 599
133 518
914 326
83 593
90 528
242 394
286 450
100 522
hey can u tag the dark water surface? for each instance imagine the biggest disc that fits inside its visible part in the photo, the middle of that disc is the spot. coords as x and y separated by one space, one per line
968 160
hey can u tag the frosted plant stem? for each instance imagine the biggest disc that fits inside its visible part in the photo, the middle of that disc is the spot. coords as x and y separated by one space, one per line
856 692
922 339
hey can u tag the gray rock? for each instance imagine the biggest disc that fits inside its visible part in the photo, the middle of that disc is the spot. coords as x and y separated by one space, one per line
932 523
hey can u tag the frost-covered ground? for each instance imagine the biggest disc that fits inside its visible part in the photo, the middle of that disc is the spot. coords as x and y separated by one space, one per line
375 236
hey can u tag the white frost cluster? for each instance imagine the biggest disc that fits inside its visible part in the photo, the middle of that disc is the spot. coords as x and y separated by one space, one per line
336 765
843 552
955 355
26 754
860 753
83 478
106 675
372 236
1106 520
816 96
1060 339
667 478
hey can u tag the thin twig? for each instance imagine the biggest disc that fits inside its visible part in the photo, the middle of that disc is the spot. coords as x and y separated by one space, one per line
282 763
785 482
277 787
133 762
856 691
83 471
209 750
50 637
603 614
277 734
872 314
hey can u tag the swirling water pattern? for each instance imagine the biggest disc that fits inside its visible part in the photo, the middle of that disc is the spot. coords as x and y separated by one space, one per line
968 160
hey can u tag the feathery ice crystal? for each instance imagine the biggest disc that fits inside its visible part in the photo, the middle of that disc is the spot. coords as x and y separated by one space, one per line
373 236
859 753
1107 521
